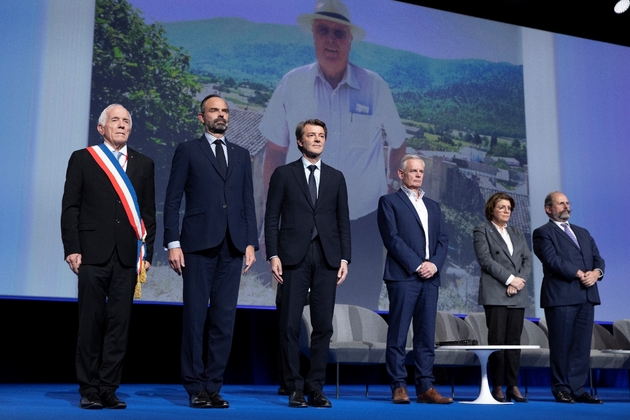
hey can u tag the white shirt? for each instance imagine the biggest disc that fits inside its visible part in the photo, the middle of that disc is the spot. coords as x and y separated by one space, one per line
356 112
423 214
508 241
316 173
212 139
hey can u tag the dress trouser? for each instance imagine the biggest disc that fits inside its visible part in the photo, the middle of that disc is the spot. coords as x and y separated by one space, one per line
105 299
570 330
409 300
213 274
505 326
314 273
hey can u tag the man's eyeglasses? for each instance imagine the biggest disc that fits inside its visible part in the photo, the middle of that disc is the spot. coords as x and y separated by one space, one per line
324 31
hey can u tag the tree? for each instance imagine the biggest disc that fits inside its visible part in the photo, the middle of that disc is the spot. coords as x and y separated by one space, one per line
134 65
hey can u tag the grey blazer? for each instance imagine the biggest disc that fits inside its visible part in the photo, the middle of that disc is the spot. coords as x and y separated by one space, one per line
497 264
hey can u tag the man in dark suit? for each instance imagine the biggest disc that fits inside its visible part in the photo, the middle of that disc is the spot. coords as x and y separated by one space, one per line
307 236
571 268
101 246
218 229
414 235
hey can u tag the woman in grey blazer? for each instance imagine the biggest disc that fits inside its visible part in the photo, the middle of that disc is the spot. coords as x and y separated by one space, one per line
506 263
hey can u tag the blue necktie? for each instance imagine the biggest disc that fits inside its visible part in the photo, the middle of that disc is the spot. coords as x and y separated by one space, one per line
565 226
117 155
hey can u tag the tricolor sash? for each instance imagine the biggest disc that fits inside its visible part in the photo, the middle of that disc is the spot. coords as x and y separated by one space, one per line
121 183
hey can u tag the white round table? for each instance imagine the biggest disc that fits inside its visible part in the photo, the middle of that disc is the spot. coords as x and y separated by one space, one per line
483 352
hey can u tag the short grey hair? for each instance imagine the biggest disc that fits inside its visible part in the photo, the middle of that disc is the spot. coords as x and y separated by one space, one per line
403 161
102 119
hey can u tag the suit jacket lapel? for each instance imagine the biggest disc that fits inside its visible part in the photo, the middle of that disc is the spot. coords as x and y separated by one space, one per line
231 157
403 196
516 245
300 175
207 150
560 232
496 235
131 164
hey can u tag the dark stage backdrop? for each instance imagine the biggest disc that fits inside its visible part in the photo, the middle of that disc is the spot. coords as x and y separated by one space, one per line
489 106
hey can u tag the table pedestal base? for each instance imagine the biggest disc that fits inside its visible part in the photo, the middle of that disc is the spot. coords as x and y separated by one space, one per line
485 397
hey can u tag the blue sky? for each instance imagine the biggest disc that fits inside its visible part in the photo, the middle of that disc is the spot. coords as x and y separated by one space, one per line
425 31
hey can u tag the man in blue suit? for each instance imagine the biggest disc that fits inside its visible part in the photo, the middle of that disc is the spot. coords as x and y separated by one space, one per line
571 268
218 229
412 229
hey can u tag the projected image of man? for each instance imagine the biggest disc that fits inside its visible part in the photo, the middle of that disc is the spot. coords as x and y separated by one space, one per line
359 111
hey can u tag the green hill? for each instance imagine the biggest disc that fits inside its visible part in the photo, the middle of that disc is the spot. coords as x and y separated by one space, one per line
472 95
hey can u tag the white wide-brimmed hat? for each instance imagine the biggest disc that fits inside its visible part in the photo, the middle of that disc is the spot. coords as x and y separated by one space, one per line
333 10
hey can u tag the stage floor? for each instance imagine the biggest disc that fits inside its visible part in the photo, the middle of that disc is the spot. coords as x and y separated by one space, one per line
159 401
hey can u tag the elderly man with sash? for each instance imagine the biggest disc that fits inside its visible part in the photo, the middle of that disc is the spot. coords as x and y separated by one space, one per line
108 230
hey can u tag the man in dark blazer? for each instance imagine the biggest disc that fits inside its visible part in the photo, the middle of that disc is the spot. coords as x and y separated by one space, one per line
218 229
307 236
413 232
101 247
571 268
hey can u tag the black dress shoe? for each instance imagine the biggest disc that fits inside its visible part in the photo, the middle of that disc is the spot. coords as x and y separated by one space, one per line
296 400
199 400
216 401
91 402
283 391
564 397
317 399
110 400
588 399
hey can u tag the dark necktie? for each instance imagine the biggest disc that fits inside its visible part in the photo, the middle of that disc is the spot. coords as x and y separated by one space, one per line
312 187
565 226
218 151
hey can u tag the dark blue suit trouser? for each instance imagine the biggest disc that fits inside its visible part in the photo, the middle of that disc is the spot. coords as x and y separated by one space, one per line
570 330
409 300
207 330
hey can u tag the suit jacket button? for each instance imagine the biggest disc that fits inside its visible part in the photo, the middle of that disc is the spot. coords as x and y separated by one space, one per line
225 206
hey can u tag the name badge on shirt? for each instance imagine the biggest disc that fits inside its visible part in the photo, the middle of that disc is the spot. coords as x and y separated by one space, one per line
360 105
